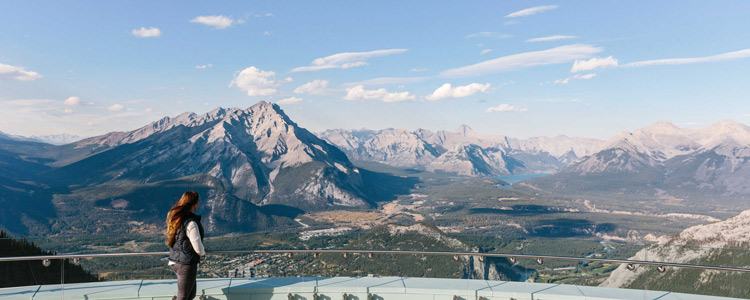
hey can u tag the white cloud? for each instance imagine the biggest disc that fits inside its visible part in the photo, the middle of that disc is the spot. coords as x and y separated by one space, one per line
72 101
359 93
506 107
354 64
316 86
147 32
266 33
116 107
593 63
522 60
576 100
692 60
488 34
552 38
447 91
148 110
485 51
290 100
388 81
256 82
68 111
418 69
531 11
204 66
577 76
269 15
345 60
218 22
8 72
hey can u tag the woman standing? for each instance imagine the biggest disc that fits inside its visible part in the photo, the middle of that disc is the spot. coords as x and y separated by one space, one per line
185 241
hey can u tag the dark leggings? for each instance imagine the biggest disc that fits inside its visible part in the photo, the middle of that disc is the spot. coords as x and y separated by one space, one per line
186 285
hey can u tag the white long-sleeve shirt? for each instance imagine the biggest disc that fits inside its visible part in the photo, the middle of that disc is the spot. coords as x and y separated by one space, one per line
195 239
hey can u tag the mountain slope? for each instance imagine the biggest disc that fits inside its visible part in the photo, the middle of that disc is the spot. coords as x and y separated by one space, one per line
25 202
141 208
721 243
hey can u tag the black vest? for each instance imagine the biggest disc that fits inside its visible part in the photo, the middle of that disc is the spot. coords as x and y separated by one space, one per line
182 251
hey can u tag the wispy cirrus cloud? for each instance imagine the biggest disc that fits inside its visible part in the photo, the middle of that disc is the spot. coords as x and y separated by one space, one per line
388 81
531 11
488 34
290 100
8 72
144 32
692 60
203 67
506 108
577 76
346 60
448 91
593 63
555 55
360 93
552 38
315 87
116 107
217 21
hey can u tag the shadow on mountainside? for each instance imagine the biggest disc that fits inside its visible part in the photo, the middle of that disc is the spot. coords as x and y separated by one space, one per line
516 210
380 187
568 228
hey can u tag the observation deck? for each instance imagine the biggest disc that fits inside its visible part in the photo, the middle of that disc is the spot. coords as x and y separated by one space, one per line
330 288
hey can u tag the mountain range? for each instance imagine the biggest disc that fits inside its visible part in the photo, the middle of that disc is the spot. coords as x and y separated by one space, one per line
664 159
54 139
464 151
258 169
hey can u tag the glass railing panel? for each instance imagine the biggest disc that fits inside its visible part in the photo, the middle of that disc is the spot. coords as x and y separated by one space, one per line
567 261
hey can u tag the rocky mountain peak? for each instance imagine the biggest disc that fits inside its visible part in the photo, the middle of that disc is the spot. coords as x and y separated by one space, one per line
259 153
725 133
660 126
465 130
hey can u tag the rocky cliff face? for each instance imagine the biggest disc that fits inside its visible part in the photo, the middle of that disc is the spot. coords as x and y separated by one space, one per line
720 243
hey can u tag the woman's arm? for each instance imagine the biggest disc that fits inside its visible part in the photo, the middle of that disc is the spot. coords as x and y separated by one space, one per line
195 238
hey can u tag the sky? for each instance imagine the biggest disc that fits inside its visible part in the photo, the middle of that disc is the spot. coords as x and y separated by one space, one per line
518 68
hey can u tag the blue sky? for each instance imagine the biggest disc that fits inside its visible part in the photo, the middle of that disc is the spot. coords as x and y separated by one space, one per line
520 68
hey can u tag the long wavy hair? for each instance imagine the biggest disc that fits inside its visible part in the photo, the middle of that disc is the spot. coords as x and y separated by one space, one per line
177 214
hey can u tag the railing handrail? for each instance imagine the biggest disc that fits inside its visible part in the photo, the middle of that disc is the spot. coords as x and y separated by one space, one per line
397 252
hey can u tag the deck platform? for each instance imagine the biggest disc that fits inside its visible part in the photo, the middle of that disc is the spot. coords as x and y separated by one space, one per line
327 288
